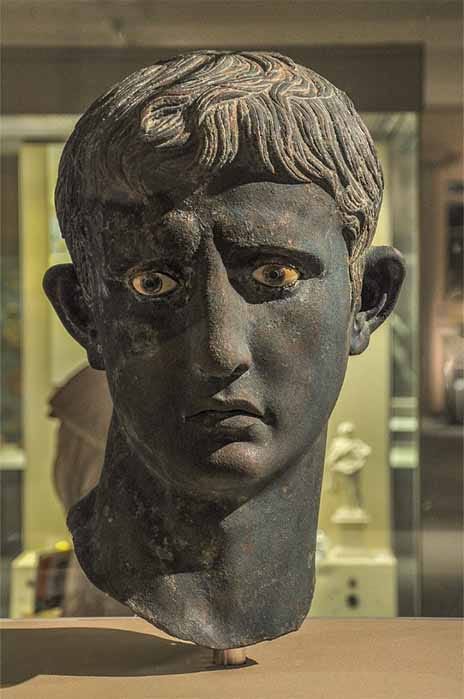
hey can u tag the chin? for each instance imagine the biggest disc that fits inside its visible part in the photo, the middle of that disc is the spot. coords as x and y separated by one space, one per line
235 468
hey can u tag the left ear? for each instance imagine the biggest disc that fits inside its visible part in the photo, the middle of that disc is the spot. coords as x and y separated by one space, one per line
383 276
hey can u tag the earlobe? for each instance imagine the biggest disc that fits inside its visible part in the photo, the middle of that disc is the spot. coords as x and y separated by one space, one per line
383 276
65 294
360 334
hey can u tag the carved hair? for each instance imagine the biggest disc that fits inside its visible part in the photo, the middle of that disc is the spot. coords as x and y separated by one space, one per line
201 113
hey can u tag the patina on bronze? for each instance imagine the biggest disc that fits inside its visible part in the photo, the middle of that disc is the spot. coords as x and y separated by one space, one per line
219 209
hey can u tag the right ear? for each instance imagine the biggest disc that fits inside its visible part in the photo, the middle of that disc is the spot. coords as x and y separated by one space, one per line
64 292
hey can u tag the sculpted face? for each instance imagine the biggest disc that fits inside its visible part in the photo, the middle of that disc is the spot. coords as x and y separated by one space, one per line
223 311
224 326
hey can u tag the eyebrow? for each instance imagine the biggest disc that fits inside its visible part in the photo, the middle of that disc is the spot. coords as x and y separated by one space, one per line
174 246
284 250
266 240
169 241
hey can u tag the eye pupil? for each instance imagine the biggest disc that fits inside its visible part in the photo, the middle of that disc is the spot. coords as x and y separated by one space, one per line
276 275
151 283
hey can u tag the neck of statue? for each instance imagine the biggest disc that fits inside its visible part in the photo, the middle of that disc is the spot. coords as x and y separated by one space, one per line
217 574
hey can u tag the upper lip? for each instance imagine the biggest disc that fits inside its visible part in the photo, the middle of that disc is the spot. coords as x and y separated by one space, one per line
217 405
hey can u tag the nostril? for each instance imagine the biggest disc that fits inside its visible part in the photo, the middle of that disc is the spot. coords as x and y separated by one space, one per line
240 369
221 371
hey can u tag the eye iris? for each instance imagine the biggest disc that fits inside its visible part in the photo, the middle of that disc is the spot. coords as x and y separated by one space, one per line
151 283
276 275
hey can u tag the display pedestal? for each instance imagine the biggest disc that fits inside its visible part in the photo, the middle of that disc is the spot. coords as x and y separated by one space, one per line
351 531
356 582
126 658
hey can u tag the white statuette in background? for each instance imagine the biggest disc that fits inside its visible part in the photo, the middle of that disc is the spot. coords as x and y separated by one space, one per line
346 458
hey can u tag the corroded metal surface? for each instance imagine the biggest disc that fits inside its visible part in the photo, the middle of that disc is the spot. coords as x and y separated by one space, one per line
219 209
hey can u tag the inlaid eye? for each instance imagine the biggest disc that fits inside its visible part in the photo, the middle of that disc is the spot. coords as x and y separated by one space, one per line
276 275
153 283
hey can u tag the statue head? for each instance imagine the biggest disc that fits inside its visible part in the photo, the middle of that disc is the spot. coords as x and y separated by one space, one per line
345 429
219 208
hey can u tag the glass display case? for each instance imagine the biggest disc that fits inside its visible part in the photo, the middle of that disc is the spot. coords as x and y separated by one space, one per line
381 553
385 555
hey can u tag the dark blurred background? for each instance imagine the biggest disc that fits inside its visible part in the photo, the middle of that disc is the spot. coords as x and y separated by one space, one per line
401 62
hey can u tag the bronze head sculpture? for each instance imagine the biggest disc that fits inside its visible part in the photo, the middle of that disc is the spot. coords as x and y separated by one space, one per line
219 209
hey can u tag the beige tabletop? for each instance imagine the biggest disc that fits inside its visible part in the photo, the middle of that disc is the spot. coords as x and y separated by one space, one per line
126 658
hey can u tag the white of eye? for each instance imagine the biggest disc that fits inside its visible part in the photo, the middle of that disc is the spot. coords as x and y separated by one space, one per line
276 275
153 283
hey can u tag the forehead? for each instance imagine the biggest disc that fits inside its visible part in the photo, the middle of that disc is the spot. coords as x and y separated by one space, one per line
259 207
252 214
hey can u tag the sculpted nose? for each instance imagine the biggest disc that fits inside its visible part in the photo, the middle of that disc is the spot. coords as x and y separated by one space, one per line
219 342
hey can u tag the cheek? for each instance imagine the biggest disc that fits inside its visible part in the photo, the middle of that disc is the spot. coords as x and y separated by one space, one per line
146 375
134 333
305 346
126 341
